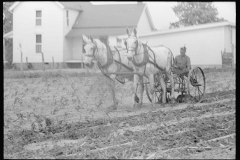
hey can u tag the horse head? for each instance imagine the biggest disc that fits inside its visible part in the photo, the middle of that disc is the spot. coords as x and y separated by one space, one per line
131 44
90 48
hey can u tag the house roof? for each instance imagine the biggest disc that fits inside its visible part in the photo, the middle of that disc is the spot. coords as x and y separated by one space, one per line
75 5
188 28
108 19
65 5
109 15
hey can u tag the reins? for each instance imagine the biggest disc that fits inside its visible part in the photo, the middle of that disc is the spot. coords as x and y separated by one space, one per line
145 56
109 60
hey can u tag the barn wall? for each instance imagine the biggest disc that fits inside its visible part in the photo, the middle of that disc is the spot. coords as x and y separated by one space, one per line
68 42
230 41
112 40
227 38
77 49
25 30
68 48
203 46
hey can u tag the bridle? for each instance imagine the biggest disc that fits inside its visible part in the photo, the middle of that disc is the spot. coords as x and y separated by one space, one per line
95 49
96 57
132 49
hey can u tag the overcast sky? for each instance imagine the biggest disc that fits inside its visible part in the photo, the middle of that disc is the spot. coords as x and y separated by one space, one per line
162 13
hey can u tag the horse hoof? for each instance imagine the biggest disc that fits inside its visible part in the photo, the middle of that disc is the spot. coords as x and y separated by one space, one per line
113 107
173 101
136 105
153 108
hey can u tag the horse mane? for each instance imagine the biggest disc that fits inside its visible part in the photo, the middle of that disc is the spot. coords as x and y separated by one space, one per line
100 44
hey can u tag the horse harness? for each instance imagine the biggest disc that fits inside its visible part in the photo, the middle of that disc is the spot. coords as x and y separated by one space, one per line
145 58
110 60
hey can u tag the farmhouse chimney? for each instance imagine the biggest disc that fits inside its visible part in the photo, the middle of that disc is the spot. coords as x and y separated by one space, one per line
139 2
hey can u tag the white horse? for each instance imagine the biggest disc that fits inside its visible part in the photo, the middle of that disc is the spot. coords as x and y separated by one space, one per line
150 61
108 63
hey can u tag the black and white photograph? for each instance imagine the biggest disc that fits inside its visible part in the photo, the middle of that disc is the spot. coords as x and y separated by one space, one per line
119 79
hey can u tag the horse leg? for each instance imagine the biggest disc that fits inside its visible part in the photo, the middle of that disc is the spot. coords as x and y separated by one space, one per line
135 85
141 90
112 88
152 89
170 76
163 85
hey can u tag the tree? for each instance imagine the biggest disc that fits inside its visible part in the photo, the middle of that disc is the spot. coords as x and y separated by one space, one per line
7 17
193 13
7 27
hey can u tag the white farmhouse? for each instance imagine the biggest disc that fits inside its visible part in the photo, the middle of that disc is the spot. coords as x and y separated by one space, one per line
204 42
56 28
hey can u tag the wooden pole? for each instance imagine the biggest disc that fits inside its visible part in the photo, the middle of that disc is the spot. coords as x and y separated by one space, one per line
43 67
232 56
21 63
3 49
20 46
53 61
4 52
222 58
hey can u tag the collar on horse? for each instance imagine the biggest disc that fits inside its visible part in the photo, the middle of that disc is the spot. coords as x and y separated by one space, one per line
145 57
109 59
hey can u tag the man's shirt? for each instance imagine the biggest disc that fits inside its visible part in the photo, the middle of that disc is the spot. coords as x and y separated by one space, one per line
182 61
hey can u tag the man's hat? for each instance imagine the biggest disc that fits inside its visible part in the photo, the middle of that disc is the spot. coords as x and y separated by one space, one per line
183 48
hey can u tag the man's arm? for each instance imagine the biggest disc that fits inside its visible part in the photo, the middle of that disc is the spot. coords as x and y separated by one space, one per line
175 63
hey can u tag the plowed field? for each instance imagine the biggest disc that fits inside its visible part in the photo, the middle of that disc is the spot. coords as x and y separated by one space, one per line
68 115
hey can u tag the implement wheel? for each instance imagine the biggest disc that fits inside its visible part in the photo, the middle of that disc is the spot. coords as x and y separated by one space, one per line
158 89
196 84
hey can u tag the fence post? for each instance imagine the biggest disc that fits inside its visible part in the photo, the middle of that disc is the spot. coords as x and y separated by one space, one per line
27 61
20 48
43 67
232 55
222 57
53 61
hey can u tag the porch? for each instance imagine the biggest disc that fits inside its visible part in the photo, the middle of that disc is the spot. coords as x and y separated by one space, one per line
75 63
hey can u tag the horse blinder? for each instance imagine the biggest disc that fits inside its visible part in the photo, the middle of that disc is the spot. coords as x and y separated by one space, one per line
125 43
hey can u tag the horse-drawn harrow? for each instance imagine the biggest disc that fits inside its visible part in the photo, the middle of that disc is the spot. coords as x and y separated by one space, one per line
191 88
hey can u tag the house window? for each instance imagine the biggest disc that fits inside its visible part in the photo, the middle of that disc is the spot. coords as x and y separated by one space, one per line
119 43
38 43
38 18
67 18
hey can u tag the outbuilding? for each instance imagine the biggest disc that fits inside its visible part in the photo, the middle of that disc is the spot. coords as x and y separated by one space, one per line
204 42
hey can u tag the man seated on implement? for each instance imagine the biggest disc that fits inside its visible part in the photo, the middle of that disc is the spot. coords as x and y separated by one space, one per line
182 63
